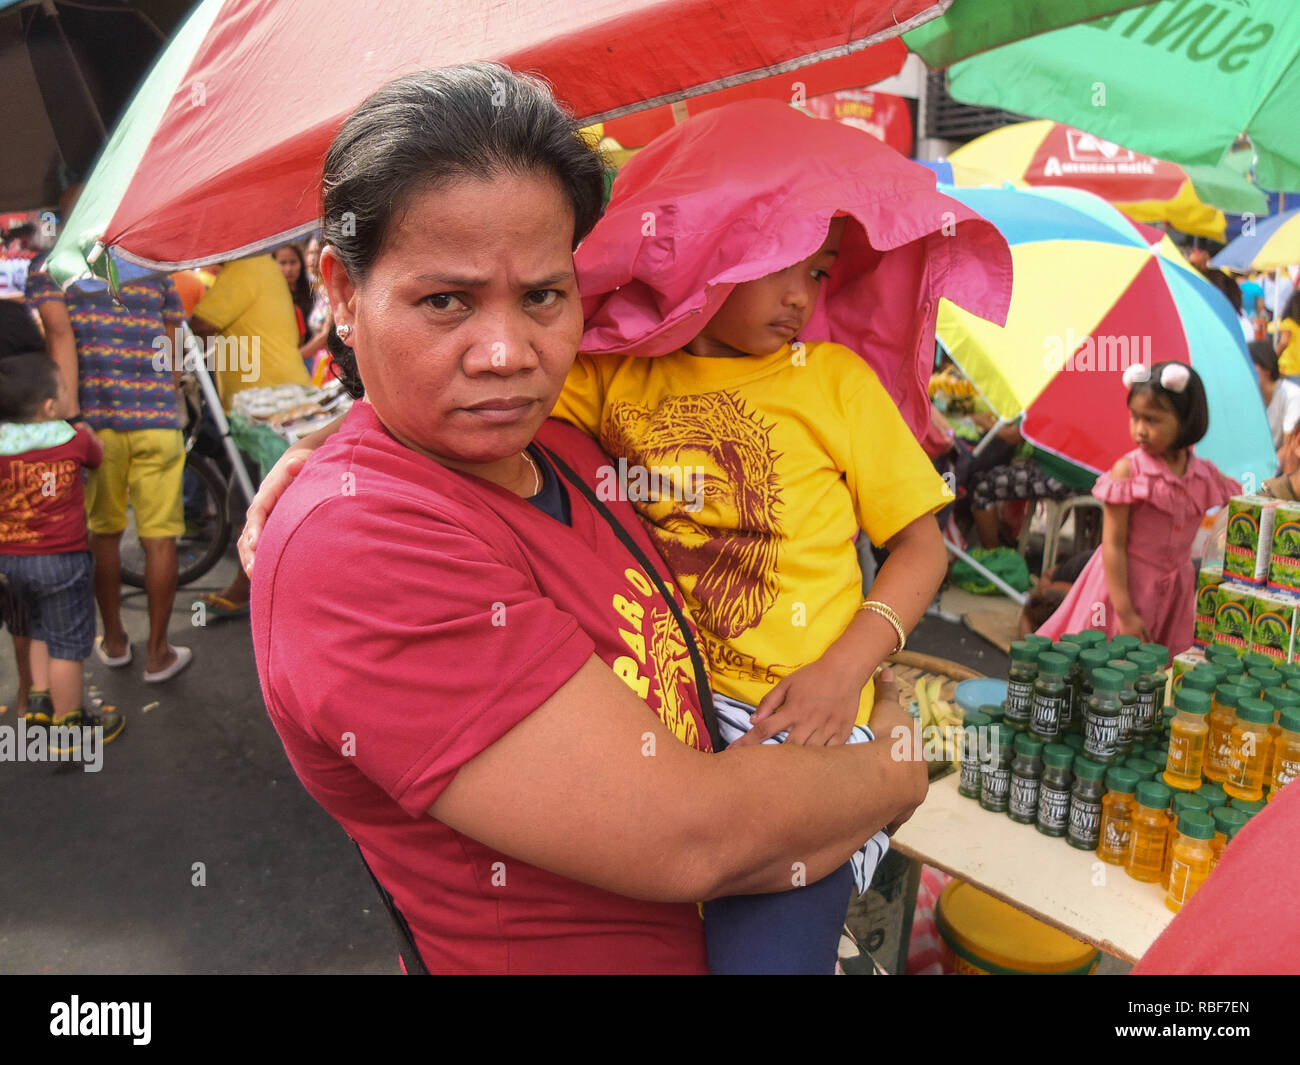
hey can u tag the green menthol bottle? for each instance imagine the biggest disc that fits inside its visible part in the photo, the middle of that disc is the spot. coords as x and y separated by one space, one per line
1102 716
1054 790
1092 658
1084 830
1092 637
1074 680
1124 644
1150 688
1026 775
1020 684
1051 696
969 782
995 772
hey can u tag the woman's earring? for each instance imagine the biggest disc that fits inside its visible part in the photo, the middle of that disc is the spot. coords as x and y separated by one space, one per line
344 331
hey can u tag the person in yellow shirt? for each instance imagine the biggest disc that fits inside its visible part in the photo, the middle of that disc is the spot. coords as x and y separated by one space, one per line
248 320
753 460
1288 338
249 308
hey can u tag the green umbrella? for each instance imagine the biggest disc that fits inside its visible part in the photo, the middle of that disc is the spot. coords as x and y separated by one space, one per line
1178 79
963 31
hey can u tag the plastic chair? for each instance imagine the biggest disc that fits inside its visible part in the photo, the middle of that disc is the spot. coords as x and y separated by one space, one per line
1055 512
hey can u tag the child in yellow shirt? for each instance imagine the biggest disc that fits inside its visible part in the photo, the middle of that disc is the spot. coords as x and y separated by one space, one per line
753 460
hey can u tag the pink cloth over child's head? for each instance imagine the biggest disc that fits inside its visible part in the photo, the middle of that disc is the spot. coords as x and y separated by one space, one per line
745 190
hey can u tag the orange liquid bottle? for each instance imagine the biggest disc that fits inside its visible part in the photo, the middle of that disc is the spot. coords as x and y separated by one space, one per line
1117 809
1227 823
1223 715
1188 732
1250 750
1183 801
1282 700
1286 756
1146 858
1192 858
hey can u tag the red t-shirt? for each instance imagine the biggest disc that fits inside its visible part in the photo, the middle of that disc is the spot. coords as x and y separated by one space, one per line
410 615
1244 918
42 503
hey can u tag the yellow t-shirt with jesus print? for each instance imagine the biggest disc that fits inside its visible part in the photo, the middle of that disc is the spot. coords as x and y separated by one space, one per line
752 476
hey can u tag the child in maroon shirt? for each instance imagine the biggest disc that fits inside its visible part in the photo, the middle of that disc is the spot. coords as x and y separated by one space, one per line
44 557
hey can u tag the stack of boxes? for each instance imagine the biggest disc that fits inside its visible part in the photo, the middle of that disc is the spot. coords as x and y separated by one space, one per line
1251 602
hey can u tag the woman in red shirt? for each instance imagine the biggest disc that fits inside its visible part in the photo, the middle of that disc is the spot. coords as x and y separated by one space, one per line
493 695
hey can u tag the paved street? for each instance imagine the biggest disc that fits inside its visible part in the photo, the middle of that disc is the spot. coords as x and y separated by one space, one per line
98 869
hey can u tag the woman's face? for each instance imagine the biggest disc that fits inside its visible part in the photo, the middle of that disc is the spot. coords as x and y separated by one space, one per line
468 321
289 264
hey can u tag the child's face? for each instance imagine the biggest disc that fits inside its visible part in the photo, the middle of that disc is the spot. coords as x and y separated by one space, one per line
760 317
1154 428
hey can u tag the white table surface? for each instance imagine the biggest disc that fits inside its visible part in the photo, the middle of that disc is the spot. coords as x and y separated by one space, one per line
1070 889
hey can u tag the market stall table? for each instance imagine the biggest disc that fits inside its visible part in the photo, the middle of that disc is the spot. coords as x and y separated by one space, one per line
1070 889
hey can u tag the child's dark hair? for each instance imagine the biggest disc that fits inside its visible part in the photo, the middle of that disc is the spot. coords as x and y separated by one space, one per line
1263 356
1188 406
476 120
1041 604
26 381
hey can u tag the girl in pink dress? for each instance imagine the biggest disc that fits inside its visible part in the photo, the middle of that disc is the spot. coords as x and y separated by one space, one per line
1141 580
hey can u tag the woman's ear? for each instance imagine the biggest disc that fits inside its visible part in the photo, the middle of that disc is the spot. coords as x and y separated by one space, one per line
342 291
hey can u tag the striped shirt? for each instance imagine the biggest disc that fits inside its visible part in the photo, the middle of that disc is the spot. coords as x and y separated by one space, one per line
119 388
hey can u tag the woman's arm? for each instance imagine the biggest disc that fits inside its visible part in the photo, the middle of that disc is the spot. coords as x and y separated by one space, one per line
593 787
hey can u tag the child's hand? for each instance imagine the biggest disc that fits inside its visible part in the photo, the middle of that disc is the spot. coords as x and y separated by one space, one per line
1130 624
816 704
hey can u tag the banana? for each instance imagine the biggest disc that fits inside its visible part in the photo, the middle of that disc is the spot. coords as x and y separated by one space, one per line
923 704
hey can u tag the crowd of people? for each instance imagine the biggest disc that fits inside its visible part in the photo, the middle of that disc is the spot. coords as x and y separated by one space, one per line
83 385
580 662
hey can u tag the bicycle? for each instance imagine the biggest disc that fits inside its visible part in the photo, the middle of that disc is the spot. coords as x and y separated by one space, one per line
209 496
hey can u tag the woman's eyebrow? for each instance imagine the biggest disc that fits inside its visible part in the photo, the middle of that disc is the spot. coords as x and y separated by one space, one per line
483 282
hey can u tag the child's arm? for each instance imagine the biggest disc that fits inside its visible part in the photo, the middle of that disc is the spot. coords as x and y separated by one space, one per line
94 446
819 703
1114 556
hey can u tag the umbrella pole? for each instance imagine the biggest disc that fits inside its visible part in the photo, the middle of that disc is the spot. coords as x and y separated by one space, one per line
987 438
223 425
1002 585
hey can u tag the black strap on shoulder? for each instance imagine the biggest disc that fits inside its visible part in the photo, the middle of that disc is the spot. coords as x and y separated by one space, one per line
410 952
697 660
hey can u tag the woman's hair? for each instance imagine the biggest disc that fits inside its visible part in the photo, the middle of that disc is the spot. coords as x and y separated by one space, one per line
1263 356
300 289
1188 406
477 120
1292 308
26 382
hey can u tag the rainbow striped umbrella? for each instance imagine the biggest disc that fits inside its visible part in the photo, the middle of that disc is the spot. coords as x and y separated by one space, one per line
1273 242
1093 293
1039 153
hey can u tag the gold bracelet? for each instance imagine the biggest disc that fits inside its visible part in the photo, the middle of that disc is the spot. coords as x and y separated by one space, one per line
887 612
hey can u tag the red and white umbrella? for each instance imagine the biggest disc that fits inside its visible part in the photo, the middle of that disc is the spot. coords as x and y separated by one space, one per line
219 154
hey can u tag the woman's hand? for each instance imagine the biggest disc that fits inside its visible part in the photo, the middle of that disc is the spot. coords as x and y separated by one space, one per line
818 705
890 723
273 487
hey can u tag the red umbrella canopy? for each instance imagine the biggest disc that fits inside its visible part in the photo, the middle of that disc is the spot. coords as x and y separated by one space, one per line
233 157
